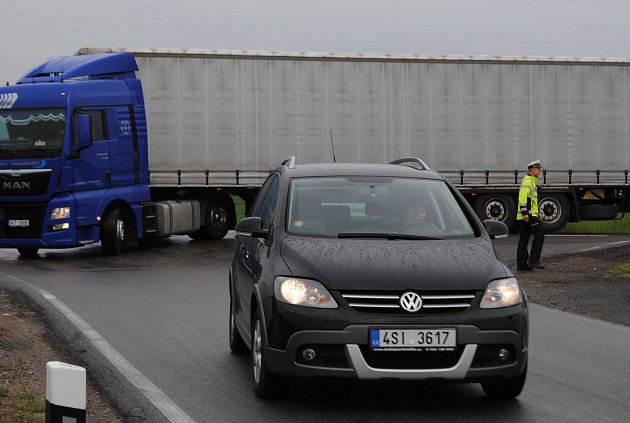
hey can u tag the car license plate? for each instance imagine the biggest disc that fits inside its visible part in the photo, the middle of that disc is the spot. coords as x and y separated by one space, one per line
22 223
443 339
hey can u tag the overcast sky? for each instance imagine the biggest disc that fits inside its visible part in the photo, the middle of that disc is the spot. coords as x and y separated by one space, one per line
33 30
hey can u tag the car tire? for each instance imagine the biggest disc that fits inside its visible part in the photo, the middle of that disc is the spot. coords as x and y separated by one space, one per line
501 207
237 345
265 383
556 211
113 233
29 252
505 388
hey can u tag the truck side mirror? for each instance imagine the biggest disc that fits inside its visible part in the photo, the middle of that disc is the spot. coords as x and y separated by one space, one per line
84 131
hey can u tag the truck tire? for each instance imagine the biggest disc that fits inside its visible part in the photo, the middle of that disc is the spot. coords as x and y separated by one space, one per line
113 232
556 211
29 252
219 216
501 207
598 212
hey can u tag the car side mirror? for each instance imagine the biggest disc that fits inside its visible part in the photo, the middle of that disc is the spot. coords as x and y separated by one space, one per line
251 226
84 130
496 229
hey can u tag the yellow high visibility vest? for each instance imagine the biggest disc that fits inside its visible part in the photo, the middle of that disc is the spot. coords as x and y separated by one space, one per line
528 197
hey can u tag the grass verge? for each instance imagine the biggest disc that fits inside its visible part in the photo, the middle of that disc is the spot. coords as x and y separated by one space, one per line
621 270
599 227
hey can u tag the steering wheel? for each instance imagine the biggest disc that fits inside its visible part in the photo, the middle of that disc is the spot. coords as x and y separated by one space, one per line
421 228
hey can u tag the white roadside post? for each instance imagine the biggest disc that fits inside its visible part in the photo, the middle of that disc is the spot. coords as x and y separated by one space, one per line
65 393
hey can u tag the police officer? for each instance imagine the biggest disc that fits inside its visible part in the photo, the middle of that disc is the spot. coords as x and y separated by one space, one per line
528 216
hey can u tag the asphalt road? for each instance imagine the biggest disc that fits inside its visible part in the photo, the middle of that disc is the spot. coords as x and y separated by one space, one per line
159 313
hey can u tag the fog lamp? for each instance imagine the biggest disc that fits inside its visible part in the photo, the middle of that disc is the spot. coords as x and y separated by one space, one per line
503 354
60 226
308 354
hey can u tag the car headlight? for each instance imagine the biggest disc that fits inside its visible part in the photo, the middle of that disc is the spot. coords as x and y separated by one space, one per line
302 292
501 293
60 213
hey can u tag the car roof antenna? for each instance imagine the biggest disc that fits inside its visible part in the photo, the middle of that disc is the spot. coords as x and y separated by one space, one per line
333 146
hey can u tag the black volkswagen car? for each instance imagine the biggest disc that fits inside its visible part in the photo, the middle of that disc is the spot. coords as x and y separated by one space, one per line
369 272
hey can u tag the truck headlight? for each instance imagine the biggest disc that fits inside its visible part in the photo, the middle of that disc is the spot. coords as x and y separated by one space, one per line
60 213
501 293
302 292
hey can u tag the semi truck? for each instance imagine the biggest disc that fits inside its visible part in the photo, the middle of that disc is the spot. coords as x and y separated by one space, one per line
119 145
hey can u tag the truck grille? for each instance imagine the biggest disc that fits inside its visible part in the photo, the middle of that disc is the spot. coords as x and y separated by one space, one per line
410 359
388 302
34 213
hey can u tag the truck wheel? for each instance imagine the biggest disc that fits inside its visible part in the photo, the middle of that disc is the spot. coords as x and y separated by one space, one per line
28 251
219 214
501 207
556 211
505 388
113 233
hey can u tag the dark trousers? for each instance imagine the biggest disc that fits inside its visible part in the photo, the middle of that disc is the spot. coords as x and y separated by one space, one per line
528 228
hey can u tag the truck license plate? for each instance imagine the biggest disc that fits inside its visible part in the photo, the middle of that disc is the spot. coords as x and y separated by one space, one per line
21 223
413 339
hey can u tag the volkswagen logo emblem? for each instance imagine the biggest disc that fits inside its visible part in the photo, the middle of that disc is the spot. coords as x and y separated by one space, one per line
411 302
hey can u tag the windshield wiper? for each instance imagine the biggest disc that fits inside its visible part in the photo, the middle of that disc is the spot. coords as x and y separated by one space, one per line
390 236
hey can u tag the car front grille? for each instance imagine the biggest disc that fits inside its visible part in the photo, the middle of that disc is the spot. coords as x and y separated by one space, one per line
34 213
388 302
410 359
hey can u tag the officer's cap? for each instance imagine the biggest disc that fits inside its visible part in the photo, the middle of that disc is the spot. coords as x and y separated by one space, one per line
535 163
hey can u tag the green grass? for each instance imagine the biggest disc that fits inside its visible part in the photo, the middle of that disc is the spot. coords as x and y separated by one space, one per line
29 404
239 206
4 391
599 227
621 270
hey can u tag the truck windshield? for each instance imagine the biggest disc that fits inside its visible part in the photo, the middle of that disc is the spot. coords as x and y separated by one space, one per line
32 133
375 207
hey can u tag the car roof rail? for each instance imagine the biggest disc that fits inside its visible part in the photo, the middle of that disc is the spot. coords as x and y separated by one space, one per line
413 160
289 162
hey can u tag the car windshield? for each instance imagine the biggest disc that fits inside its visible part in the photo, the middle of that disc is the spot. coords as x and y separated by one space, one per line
379 207
31 133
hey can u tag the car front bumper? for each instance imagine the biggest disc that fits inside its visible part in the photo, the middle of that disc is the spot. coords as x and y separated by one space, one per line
472 360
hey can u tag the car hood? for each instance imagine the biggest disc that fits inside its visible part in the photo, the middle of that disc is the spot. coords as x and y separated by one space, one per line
375 264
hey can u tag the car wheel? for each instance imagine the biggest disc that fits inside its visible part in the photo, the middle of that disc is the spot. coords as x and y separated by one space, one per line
113 233
28 251
237 345
505 388
264 382
501 207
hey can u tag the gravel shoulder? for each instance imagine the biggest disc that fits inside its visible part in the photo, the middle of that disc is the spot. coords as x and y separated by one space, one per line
26 345
583 284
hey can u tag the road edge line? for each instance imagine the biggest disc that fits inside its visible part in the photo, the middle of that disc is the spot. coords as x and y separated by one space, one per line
167 407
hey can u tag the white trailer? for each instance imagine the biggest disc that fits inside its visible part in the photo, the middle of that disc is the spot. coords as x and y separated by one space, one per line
220 119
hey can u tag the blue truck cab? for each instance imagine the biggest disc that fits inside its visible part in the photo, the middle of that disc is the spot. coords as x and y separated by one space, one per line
73 155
